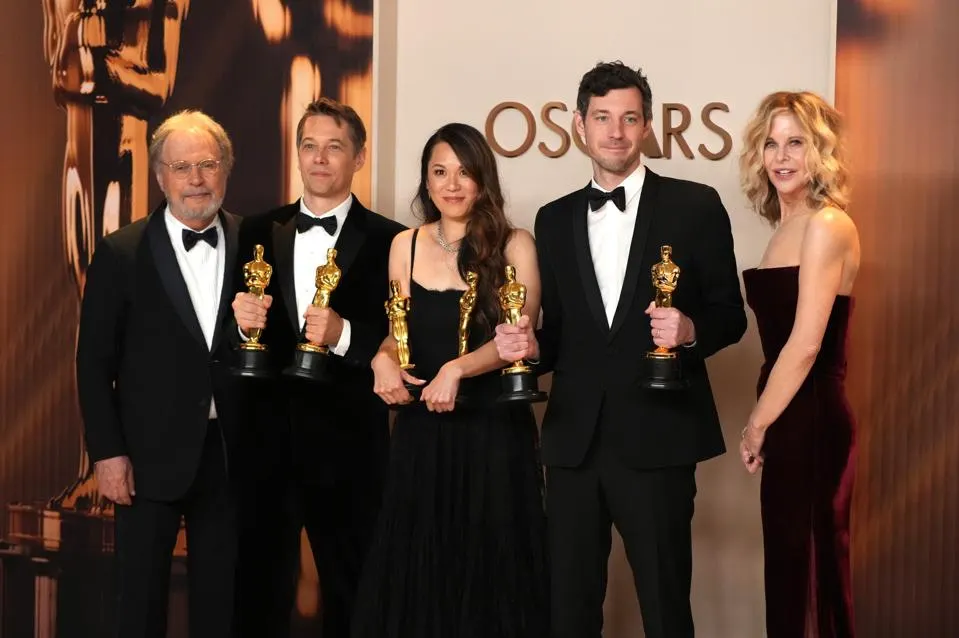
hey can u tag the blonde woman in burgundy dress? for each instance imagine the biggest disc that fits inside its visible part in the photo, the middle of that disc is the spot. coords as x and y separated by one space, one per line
801 432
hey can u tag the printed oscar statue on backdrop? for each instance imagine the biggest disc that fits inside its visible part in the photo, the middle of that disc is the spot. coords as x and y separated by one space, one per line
112 67
519 382
663 371
252 356
311 360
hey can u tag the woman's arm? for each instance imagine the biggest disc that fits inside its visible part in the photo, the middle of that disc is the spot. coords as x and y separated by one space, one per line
826 243
440 394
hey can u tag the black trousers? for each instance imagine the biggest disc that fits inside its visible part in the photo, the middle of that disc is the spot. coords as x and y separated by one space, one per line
338 512
652 510
146 533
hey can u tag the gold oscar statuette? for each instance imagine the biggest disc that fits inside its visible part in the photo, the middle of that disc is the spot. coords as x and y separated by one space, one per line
310 360
397 308
663 370
467 304
519 382
252 355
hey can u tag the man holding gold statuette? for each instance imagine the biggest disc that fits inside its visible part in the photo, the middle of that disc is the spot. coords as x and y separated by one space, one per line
639 287
316 445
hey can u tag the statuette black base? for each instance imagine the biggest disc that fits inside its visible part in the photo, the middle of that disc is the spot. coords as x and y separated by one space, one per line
522 387
663 372
309 365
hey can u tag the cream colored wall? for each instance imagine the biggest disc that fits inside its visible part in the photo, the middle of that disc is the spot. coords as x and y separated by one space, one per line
439 61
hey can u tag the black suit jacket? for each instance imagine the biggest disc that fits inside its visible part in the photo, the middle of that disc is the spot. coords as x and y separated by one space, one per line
145 375
597 368
340 428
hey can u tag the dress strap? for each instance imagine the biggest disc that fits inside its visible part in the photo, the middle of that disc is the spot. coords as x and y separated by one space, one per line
412 258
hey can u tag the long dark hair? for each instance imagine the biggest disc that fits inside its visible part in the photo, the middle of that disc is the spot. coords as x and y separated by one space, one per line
484 246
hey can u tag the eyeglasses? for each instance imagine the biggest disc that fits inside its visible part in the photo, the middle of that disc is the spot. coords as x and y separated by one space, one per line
182 170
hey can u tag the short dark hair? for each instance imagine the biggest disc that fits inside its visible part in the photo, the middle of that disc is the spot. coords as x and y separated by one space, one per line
606 76
340 113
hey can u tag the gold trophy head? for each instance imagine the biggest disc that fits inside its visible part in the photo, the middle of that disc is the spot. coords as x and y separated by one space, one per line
396 308
512 296
327 279
257 273
467 304
665 277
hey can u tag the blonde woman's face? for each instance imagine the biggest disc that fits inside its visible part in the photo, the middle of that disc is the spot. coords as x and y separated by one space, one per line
784 155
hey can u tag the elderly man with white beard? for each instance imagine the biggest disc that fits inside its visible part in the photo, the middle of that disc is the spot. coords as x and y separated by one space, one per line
159 408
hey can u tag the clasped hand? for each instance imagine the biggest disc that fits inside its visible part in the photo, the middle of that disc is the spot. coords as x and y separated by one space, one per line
670 328
516 342
390 381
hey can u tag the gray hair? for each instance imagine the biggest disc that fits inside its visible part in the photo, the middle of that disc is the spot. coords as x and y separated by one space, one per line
186 120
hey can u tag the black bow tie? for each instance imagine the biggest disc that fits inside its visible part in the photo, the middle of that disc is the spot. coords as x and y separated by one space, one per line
597 198
305 222
191 237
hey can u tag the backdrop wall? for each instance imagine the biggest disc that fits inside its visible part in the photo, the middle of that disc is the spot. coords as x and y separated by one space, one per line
457 63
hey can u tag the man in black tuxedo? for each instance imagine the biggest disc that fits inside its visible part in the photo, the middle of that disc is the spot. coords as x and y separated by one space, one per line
319 449
617 453
155 393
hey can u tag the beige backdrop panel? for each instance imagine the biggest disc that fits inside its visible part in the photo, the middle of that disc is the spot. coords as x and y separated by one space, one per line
455 62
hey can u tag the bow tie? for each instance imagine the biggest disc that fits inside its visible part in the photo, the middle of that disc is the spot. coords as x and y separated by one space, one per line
597 198
191 237
305 222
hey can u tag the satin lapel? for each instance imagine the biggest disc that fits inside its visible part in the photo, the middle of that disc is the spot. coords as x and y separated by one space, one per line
169 270
584 259
634 265
231 232
283 237
351 237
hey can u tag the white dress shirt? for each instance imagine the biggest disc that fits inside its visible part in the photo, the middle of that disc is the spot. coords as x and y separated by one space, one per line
202 270
610 238
309 251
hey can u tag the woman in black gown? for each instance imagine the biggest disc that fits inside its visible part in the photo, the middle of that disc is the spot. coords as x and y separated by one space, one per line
802 431
458 551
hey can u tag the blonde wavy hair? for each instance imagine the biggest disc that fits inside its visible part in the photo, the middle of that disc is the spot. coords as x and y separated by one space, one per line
825 156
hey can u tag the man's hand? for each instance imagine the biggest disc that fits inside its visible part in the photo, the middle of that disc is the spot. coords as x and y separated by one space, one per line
670 327
115 479
323 326
516 342
250 311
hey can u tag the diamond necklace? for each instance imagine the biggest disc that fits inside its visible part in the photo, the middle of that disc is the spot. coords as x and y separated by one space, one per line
441 239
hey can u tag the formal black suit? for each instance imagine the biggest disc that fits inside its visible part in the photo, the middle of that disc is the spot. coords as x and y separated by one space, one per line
616 452
145 378
319 450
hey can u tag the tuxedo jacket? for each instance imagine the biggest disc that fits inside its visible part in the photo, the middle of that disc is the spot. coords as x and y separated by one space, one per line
339 428
597 367
145 375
